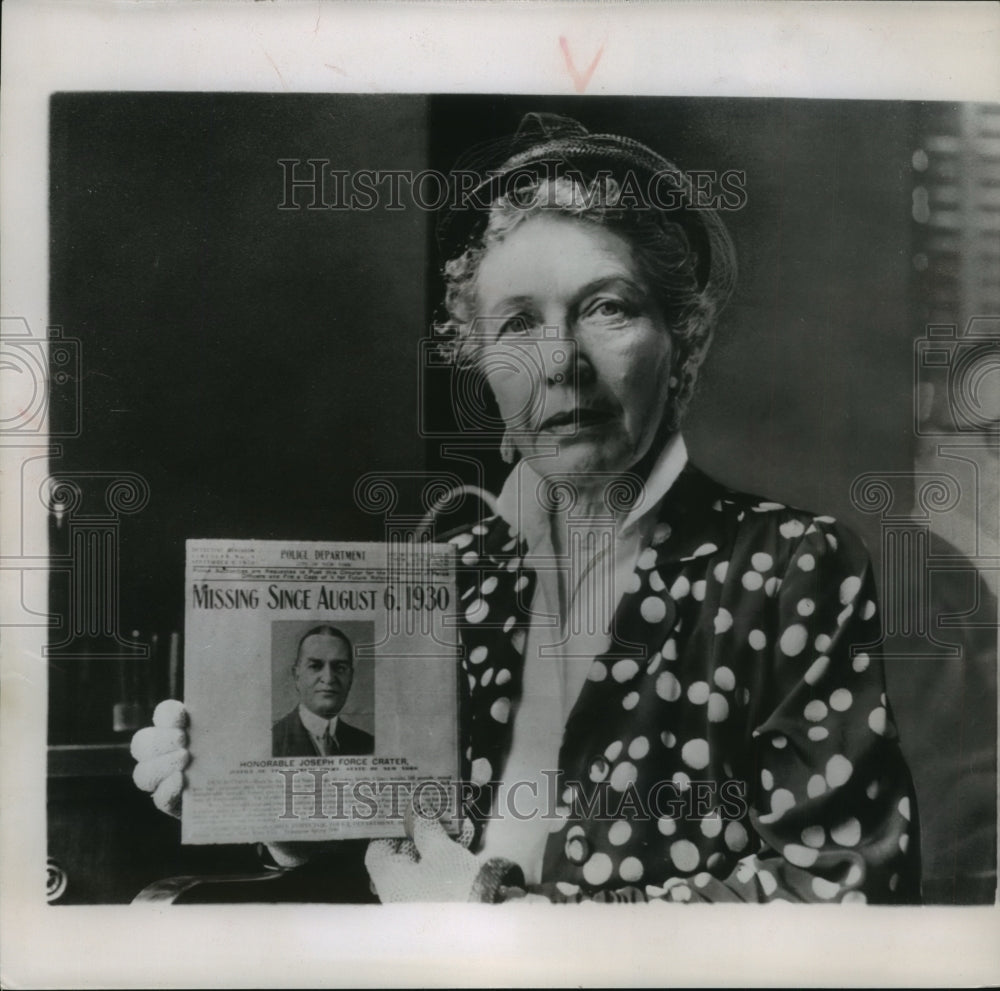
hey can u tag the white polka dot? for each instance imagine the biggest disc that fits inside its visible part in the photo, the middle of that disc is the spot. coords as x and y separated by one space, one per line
619 833
854 875
477 612
904 842
647 559
848 833
654 665
752 581
711 826
894 882
521 583
904 807
716 859
680 588
668 739
653 609
612 750
487 677
470 558
462 540
633 583
630 869
503 676
723 620
630 701
624 670
701 879
724 678
720 570
844 614
681 780
669 650
479 529
705 549
482 771
817 733
598 869
694 753
746 695
718 708
666 826
684 854
698 693
771 586
877 721
824 888
767 882
656 583
822 643
489 586
838 770
661 533
567 889
832 541
860 663
816 670
638 748
871 790
623 775
698 591
517 640
815 786
736 836
757 639
793 640
668 687
682 893
849 588
814 836
791 529
800 856
598 672
478 654
500 710
472 683
815 711
761 561
805 607
807 562
869 610
508 624
841 700
779 742
513 564
767 779
854 896
781 801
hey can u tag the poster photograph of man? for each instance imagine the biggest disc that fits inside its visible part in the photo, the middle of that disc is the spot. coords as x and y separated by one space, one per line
323 672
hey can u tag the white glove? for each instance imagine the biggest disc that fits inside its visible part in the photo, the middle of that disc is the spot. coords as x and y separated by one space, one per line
432 867
162 754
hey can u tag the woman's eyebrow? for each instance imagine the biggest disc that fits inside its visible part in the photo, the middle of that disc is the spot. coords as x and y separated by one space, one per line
605 281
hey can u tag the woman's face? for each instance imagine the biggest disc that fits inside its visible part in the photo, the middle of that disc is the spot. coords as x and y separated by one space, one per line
574 346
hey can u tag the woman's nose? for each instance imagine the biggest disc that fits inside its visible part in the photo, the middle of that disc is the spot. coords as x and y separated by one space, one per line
564 358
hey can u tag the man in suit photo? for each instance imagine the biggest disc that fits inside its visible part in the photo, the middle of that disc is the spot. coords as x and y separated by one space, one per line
323 672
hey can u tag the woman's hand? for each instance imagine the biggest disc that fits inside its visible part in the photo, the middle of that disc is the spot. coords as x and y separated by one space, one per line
161 754
432 867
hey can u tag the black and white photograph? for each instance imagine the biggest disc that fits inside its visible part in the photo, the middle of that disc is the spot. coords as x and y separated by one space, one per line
690 399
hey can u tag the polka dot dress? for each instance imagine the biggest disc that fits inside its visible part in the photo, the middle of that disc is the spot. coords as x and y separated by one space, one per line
734 743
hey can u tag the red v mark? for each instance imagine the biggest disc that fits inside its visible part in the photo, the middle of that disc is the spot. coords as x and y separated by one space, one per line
580 79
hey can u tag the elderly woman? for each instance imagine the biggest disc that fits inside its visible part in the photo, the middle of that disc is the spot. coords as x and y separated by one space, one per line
677 680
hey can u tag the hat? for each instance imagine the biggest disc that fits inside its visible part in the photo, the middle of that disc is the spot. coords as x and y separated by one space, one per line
548 145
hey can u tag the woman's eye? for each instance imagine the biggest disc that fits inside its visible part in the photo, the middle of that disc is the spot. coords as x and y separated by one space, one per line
515 325
609 309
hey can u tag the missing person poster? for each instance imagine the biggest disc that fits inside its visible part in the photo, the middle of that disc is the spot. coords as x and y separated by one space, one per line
322 689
